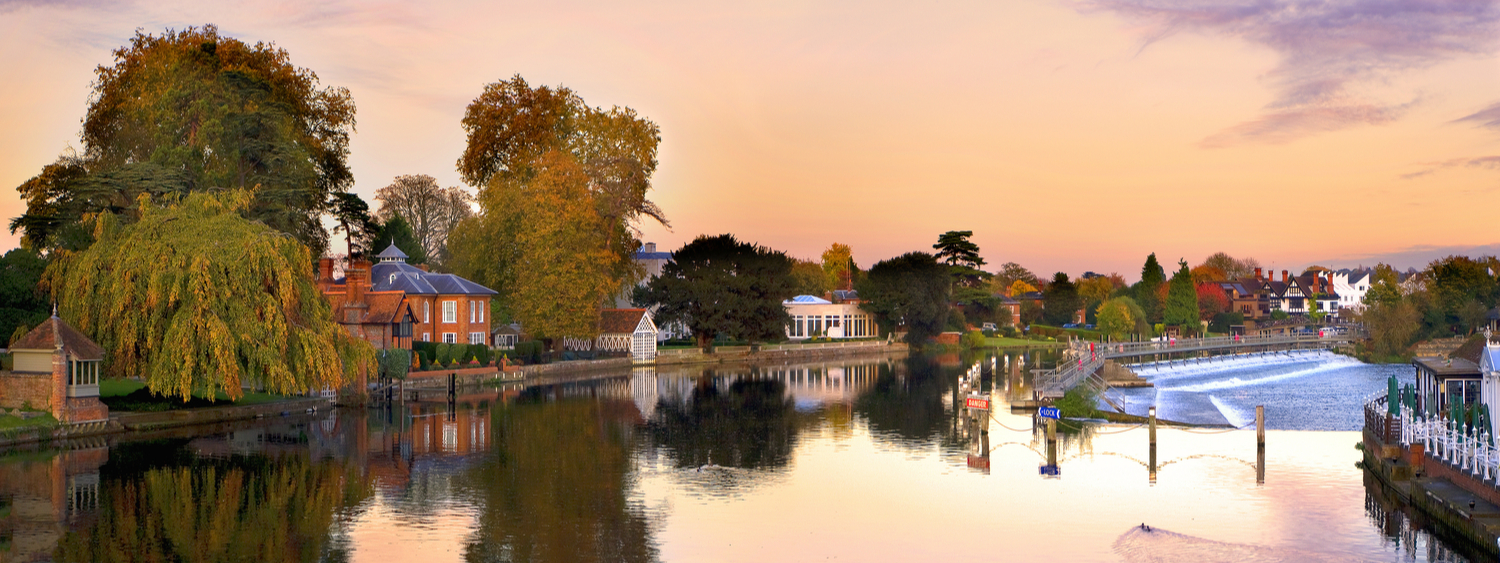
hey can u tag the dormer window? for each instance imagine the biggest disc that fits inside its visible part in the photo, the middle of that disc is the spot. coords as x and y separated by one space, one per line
393 279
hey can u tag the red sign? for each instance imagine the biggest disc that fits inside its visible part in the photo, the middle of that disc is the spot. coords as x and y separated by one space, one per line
978 403
979 462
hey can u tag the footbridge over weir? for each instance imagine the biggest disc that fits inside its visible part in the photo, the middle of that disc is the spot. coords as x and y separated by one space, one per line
1081 362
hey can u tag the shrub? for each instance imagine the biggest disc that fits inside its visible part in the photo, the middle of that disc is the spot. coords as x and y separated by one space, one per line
1078 402
989 333
481 353
972 339
530 351
1278 315
395 363
444 355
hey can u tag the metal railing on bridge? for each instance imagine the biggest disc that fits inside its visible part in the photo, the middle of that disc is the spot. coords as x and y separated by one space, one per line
1082 359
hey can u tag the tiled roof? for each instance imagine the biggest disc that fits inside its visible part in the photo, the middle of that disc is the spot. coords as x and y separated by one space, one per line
617 321
385 307
808 300
45 337
392 253
399 276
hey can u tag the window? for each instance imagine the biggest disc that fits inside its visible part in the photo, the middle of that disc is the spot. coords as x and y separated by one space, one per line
481 310
450 337
476 338
426 313
473 311
450 311
426 337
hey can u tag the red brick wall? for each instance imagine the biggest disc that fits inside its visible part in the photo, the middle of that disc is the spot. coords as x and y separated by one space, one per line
437 327
86 409
17 389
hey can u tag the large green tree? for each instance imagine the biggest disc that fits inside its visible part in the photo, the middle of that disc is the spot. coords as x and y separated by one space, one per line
1152 276
398 232
1459 286
1060 300
193 110
719 285
22 305
962 257
172 301
1181 308
510 127
911 290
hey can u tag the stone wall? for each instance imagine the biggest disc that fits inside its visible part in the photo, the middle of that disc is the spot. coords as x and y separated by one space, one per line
86 409
25 390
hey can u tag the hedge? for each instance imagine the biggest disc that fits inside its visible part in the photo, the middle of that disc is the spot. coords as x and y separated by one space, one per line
395 363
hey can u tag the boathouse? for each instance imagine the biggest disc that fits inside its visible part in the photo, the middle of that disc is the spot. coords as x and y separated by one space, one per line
56 369
1443 380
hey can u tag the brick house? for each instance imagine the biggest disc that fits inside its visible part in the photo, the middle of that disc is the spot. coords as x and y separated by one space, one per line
56 369
392 303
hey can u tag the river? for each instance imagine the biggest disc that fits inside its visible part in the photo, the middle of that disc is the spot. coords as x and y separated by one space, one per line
859 460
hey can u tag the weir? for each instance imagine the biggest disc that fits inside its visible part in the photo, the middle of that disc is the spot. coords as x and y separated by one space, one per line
1082 360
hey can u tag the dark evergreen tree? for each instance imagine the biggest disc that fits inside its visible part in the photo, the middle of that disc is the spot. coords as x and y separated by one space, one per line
1152 276
719 285
1059 301
962 258
398 231
1181 309
21 304
910 290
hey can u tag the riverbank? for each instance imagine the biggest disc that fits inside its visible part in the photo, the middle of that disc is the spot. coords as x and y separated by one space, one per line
1466 508
151 421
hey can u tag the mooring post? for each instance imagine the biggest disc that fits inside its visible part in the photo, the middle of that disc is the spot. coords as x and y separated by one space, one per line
1151 428
1260 426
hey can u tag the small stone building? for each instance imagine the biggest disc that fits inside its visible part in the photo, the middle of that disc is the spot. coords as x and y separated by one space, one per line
57 370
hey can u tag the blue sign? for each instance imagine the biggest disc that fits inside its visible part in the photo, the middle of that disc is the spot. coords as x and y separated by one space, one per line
1051 470
1049 412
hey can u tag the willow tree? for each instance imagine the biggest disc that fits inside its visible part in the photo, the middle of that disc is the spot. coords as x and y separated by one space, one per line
196 299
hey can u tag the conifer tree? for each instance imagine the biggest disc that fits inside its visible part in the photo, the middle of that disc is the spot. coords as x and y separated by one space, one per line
1152 276
1182 300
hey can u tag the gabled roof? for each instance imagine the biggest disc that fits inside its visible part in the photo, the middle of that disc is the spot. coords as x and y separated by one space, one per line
807 300
391 253
1489 358
1005 299
387 307
621 321
845 294
47 335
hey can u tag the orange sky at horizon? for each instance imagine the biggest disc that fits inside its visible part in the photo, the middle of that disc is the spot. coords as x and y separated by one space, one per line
1068 135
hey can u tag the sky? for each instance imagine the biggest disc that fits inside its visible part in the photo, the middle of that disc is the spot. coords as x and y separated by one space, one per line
1068 135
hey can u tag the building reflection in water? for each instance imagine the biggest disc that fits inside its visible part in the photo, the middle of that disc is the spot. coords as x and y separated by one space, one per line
43 495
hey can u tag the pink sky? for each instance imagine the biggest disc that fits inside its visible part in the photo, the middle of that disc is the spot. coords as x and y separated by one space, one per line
1068 135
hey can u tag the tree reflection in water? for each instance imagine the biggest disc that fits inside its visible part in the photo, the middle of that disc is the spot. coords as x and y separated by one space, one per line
751 426
164 505
907 408
556 483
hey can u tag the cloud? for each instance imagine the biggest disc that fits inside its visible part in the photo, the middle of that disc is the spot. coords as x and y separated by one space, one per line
1328 50
1490 162
1488 117
1413 256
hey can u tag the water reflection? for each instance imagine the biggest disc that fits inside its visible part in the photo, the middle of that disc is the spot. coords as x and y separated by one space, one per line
727 463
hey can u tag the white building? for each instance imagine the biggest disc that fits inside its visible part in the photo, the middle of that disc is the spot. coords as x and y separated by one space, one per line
1351 286
1489 379
813 316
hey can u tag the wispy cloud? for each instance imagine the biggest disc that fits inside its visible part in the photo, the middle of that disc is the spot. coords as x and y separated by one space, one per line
1488 117
1327 51
1418 256
1490 162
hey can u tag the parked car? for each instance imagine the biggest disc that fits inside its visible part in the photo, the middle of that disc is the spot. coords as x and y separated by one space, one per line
1070 325
989 326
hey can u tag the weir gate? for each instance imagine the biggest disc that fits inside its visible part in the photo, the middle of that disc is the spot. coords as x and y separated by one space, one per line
1080 363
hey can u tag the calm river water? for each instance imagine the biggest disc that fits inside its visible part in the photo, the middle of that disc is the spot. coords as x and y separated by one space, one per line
864 460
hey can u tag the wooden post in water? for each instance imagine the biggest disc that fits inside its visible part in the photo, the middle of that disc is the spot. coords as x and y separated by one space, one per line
1151 429
1260 444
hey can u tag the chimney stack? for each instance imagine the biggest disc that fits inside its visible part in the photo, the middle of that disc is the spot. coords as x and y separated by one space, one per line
1284 276
1257 275
650 247
325 273
356 281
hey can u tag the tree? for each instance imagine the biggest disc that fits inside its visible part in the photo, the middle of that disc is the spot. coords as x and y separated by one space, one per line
1211 301
1457 281
1096 289
1020 287
1152 277
1181 308
719 285
1203 274
1114 319
353 216
809 278
1392 326
962 257
509 127
1231 267
398 232
191 111
910 290
838 266
1011 272
22 305
431 210
1060 301
172 303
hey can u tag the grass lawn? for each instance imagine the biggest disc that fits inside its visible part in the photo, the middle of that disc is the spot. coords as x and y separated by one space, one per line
1004 342
131 395
8 422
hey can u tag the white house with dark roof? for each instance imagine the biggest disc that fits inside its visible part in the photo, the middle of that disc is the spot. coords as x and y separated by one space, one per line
815 316
1351 286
